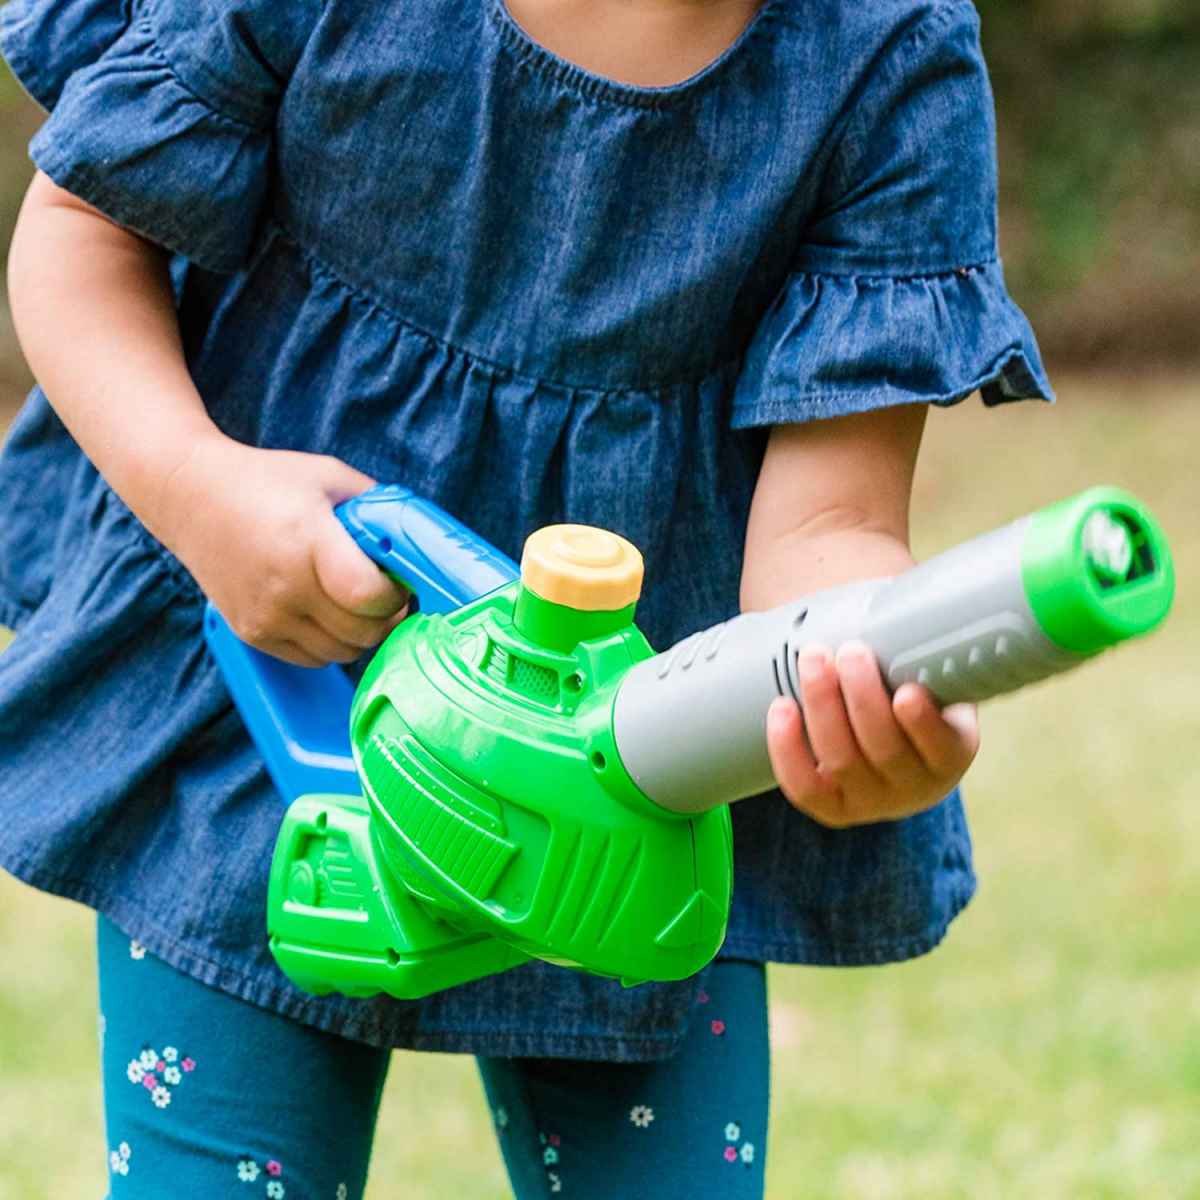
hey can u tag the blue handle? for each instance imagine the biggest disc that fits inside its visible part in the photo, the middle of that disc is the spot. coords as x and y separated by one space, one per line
300 718
440 560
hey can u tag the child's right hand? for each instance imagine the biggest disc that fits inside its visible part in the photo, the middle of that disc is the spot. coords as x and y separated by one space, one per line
95 310
256 529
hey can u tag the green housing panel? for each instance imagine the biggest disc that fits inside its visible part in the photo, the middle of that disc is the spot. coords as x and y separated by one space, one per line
498 823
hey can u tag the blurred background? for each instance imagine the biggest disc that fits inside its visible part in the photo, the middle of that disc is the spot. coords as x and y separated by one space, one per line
1051 1047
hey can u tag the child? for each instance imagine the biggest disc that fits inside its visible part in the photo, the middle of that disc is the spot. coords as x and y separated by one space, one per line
690 270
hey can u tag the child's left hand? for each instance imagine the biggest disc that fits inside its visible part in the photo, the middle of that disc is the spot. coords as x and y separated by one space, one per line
831 506
872 757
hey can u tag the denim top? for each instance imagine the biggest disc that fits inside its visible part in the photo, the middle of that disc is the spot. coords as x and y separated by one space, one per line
407 235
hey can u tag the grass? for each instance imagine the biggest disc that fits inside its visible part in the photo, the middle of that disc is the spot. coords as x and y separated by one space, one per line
1050 1048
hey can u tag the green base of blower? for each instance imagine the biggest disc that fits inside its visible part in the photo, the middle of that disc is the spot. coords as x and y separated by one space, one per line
340 923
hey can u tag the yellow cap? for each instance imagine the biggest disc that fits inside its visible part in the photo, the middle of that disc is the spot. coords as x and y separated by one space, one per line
580 566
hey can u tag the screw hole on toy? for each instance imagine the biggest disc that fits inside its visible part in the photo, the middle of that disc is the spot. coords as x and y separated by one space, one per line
573 684
322 822
393 959
212 620
598 760
385 545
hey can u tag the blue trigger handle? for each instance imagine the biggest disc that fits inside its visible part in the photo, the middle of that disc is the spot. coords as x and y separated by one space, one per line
299 718
439 559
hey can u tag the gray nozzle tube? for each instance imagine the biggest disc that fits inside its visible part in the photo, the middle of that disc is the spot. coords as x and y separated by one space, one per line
690 724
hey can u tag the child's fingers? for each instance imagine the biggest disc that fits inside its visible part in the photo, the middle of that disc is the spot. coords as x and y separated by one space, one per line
364 633
882 741
320 645
946 742
291 652
829 731
795 772
301 641
350 579
964 718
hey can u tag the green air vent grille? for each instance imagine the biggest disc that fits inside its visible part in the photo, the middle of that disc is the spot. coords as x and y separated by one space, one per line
496 663
533 680
428 820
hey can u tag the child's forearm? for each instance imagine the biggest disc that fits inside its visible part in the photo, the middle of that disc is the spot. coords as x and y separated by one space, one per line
95 315
831 505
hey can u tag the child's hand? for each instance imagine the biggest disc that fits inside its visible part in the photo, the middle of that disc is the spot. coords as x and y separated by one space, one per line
873 757
95 307
831 506
256 528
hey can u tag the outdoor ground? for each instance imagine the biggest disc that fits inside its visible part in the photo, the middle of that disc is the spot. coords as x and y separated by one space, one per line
1049 1049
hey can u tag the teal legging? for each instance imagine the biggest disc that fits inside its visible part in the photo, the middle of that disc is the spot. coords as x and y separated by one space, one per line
208 1096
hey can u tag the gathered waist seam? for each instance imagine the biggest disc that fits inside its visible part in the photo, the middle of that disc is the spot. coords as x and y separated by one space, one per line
319 266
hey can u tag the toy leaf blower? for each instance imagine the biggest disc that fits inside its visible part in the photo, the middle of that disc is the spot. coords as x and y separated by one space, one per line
525 778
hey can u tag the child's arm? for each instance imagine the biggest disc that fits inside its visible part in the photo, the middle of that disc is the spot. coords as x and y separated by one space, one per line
95 315
831 505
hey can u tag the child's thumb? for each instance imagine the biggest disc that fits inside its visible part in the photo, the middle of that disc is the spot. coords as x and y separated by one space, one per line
350 579
340 480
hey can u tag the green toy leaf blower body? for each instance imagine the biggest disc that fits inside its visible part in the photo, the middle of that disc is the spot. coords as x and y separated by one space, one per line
527 779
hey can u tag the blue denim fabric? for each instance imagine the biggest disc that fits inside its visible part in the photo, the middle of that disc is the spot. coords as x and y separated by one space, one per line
408 236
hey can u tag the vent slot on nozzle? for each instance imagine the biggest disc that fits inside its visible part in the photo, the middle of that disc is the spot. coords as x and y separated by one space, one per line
1118 549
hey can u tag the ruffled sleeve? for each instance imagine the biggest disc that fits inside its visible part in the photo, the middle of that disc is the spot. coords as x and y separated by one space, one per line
161 112
897 293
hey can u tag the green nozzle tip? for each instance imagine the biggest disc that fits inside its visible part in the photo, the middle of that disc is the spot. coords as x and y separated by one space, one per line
1097 570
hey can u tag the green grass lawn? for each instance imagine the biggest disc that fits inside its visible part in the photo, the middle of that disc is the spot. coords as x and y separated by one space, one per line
1049 1049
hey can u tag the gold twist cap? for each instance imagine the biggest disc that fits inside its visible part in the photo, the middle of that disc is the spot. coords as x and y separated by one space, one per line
582 567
